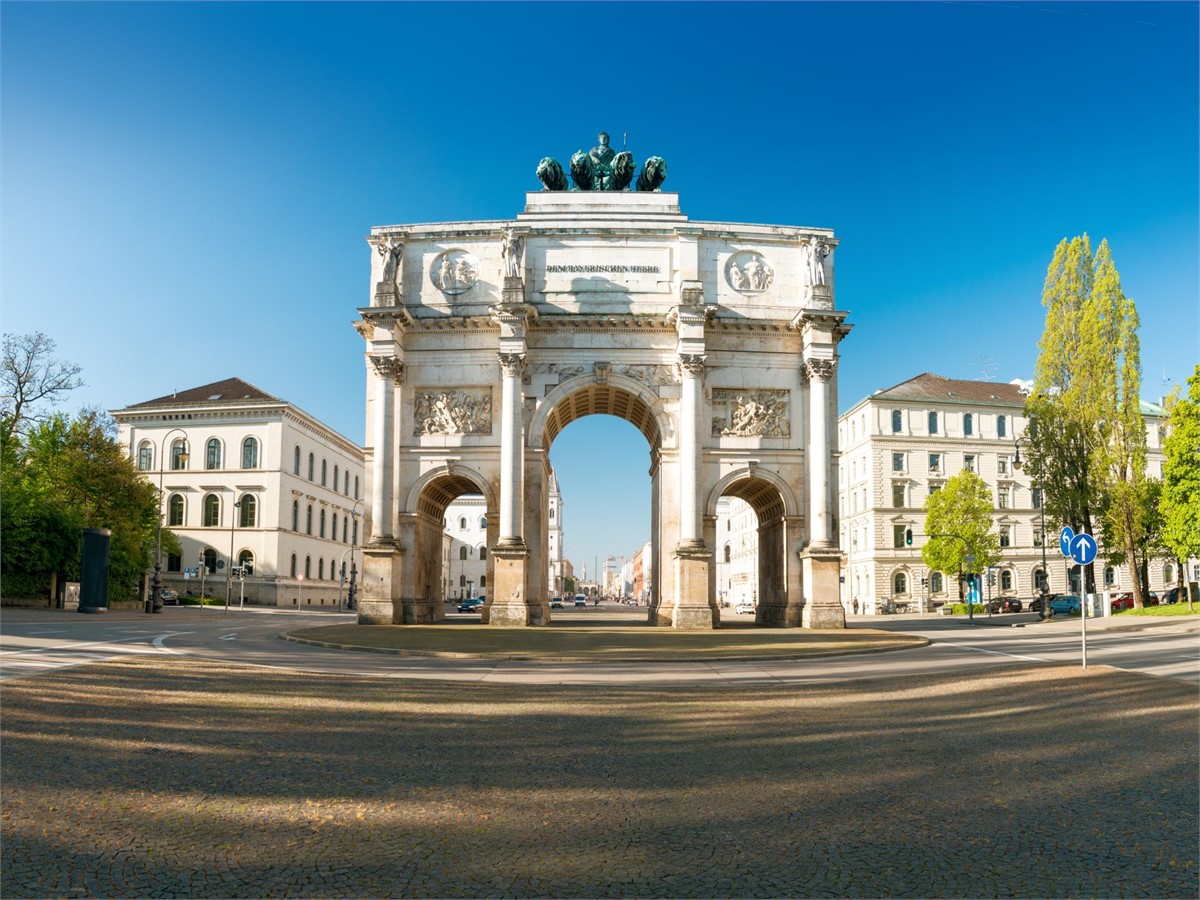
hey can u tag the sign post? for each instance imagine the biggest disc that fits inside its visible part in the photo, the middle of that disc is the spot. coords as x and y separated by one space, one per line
1081 548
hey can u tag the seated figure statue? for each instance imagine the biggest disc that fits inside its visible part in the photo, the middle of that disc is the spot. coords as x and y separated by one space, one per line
602 168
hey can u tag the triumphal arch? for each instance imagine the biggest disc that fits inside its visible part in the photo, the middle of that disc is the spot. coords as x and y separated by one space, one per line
718 341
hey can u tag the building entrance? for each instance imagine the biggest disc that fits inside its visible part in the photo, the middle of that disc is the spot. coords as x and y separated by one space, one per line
717 341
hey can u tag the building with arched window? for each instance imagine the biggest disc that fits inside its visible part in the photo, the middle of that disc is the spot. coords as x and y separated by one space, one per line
902 444
244 481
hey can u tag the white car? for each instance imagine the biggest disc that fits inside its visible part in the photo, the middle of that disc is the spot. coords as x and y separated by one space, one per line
744 608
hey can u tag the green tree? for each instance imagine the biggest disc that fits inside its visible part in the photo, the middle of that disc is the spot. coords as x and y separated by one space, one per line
1180 500
71 474
1087 434
958 522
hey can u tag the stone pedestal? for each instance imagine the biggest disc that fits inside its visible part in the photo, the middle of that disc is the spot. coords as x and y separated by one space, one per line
820 570
507 603
690 609
381 574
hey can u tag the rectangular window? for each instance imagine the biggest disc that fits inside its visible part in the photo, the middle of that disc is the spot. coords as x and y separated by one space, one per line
933 423
1002 498
1036 498
1005 535
898 536
897 462
968 424
1037 537
1002 465
934 487
969 462
898 495
935 462
1001 426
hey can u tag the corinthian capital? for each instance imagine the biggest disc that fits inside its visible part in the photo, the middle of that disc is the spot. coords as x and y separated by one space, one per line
512 364
692 364
388 367
819 369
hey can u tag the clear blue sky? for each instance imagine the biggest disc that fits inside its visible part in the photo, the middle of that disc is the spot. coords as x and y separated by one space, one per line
186 187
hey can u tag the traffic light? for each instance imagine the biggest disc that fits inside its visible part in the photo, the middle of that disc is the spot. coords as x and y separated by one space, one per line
908 537
247 568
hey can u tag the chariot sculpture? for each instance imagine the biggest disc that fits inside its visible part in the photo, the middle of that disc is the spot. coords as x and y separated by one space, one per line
602 169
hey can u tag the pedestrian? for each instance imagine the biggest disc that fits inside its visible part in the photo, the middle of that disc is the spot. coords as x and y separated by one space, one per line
856 606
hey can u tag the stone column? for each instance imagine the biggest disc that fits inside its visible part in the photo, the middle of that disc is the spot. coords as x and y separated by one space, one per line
512 447
819 373
382 558
820 560
691 603
388 373
690 406
508 590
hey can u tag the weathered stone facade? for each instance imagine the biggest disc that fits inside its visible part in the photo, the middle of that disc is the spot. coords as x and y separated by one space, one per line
718 341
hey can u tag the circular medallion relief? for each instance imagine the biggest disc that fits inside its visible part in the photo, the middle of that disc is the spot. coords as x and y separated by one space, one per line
454 271
749 273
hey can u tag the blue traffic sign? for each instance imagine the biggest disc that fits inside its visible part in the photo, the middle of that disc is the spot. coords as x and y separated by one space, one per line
1064 540
1083 548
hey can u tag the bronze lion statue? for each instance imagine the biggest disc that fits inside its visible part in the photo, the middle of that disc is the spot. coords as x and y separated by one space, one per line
654 173
551 175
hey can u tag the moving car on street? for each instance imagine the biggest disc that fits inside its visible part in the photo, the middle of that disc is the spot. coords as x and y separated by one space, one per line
475 604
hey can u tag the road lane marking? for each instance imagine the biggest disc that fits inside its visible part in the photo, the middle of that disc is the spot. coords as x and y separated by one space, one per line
991 652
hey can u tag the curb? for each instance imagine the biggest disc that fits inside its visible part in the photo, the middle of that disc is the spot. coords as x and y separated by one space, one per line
523 657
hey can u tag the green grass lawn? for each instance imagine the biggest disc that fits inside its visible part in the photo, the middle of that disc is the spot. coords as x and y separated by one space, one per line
1175 609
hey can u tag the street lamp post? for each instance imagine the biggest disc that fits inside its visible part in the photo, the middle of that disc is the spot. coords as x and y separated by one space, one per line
229 572
154 603
353 546
1044 612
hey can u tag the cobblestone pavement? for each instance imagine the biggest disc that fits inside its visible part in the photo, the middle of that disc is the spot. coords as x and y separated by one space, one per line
186 778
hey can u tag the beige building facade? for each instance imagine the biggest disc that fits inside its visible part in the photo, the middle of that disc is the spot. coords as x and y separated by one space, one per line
902 443
249 479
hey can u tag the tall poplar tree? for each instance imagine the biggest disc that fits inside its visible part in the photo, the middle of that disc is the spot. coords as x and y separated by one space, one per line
1088 437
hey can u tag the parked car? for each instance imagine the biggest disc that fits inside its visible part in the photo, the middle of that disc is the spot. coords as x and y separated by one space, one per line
744 608
475 604
1066 603
169 596
556 603
1171 596
1005 604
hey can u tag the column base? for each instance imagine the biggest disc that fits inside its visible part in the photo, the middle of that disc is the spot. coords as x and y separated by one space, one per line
508 604
789 616
377 605
820 571
692 608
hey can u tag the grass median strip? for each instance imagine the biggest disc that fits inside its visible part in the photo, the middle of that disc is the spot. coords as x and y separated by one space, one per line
603 643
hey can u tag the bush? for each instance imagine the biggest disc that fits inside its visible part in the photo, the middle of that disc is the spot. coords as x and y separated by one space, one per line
960 609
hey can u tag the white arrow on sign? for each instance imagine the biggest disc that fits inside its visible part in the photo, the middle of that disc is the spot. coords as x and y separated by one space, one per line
1083 548
1064 540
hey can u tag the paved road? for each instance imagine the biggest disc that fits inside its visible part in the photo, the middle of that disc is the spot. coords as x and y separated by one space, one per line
32 641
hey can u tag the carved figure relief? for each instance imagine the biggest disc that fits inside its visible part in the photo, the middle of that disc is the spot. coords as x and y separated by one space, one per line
454 272
392 251
651 376
751 413
453 412
815 252
513 247
749 273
